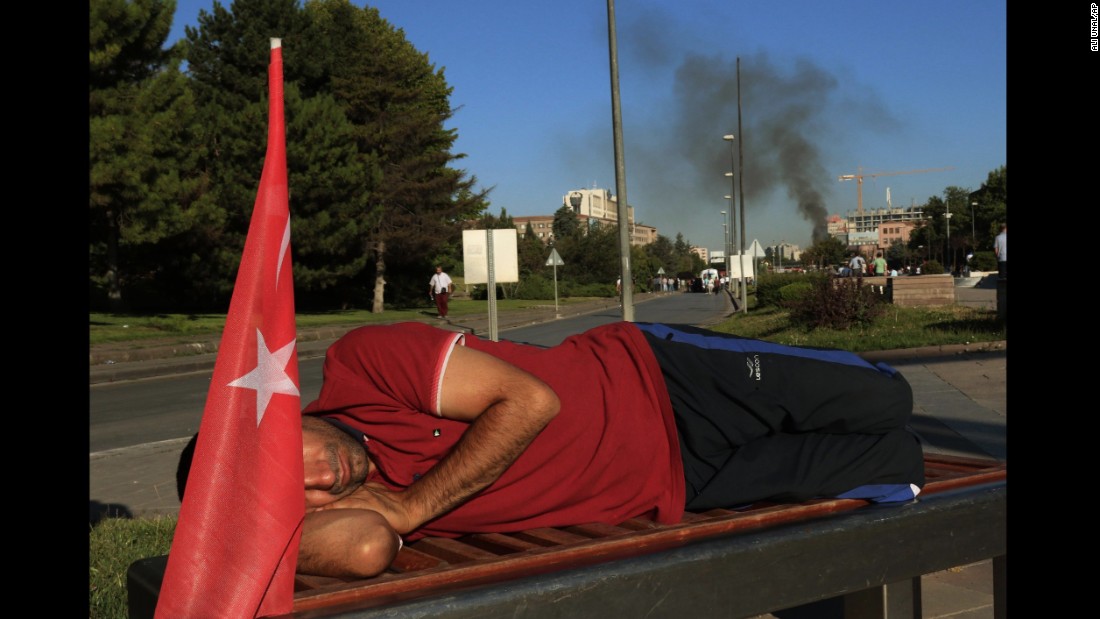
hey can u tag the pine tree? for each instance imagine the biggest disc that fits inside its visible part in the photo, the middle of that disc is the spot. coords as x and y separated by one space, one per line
141 185
398 102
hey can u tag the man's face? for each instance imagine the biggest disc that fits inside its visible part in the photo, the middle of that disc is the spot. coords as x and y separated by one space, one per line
438 269
335 464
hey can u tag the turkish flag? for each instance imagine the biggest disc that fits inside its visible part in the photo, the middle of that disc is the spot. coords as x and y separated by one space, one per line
236 543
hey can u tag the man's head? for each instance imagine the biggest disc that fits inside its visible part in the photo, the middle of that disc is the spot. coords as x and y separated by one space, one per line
438 269
335 463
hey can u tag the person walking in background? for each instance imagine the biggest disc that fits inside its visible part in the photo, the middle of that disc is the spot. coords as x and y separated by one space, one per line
880 264
857 264
440 288
1000 247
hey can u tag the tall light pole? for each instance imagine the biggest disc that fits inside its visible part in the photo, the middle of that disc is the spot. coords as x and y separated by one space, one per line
726 249
947 218
620 169
973 230
741 201
729 137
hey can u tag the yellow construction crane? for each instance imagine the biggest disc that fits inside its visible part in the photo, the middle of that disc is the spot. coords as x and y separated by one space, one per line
860 176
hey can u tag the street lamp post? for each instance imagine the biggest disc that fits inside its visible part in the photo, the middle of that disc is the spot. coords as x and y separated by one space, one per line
973 229
741 197
947 218
729 137
726 247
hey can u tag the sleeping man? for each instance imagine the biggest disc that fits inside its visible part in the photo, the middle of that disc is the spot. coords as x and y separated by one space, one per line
420 431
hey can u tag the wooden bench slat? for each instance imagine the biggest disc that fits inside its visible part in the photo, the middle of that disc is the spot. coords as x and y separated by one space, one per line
450 550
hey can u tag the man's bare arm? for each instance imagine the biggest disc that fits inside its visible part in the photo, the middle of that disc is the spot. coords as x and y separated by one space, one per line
506 407
346 543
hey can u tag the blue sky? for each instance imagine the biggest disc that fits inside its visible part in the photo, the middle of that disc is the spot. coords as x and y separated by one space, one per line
826 89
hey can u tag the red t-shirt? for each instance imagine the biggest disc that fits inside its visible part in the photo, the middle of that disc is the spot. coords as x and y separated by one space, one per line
610 454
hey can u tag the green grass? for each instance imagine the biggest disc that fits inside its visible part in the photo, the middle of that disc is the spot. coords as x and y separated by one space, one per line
115 543
106 328
900 327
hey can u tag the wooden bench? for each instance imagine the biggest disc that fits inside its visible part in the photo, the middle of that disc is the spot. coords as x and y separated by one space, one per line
918 290
729 563
911 290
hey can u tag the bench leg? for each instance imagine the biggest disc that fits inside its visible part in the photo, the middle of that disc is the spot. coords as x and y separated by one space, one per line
1000 587
898 600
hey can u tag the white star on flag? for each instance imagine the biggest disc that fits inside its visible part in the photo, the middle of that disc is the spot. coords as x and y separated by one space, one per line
270 375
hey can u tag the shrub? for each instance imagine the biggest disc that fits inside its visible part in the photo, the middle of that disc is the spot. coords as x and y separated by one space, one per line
767 288
536 287
983 261
792 293
837 303
932 267
590 290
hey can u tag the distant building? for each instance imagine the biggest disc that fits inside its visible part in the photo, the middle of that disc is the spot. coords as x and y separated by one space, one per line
590 205
836 225
701 252
783 253
895 232
541 225
875 229
872 219
643 234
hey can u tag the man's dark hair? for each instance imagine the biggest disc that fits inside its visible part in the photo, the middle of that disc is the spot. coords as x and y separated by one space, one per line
184 467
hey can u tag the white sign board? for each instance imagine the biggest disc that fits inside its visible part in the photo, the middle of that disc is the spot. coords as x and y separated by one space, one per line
475 256
745 264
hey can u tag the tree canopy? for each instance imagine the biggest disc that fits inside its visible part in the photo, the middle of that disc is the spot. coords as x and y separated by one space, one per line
176 156
177 139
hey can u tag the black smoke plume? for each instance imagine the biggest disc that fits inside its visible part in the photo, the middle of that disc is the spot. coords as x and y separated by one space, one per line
791 113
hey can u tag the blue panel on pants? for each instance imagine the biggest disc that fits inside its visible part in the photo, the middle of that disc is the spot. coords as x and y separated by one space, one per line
734 343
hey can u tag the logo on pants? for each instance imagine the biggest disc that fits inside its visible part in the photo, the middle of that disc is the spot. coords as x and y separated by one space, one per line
754 366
